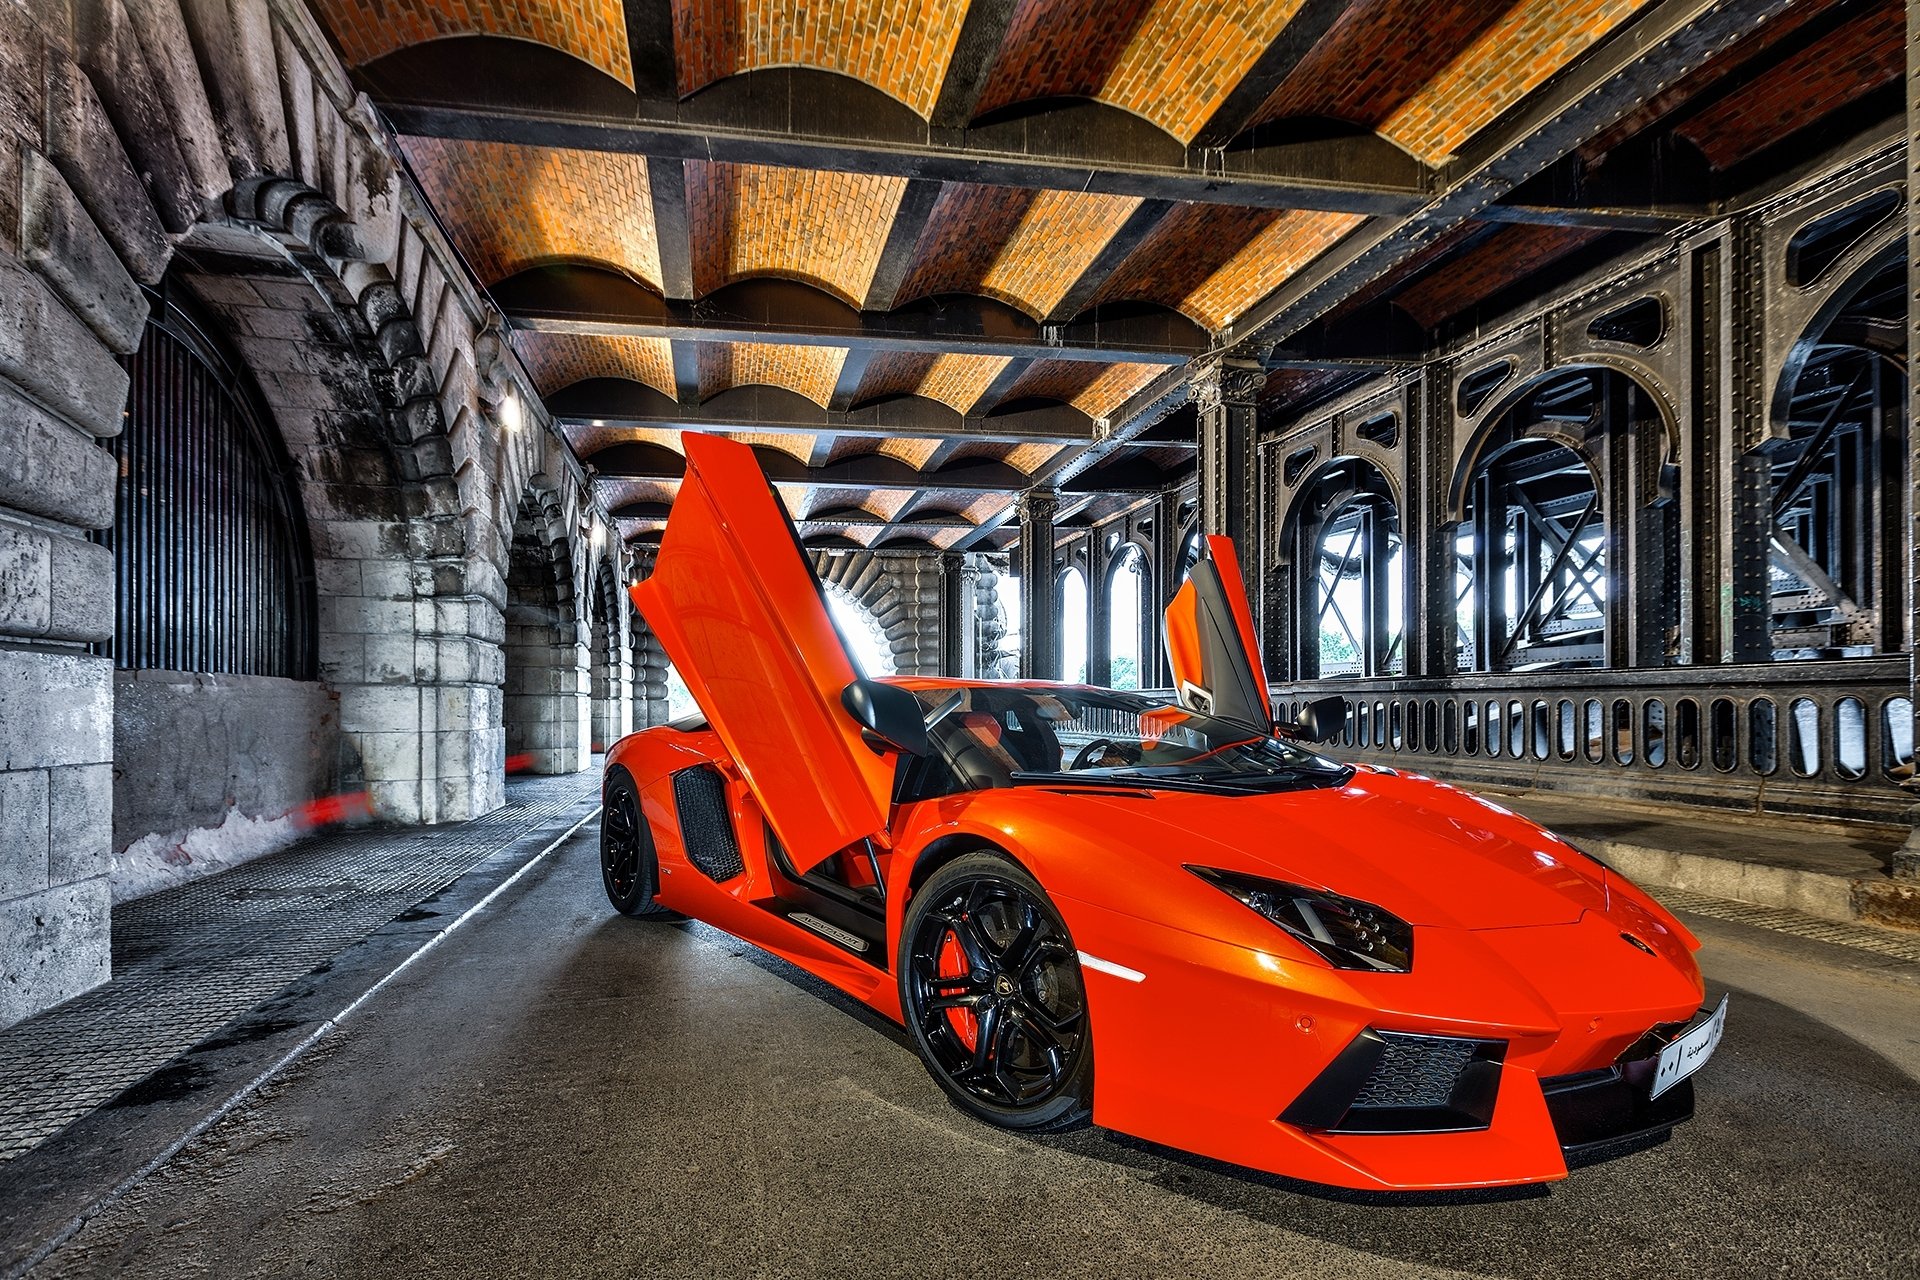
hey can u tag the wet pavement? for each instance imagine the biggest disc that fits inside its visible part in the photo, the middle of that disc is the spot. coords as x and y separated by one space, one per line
556 1090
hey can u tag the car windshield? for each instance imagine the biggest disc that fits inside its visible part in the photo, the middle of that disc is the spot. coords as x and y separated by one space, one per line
1007 736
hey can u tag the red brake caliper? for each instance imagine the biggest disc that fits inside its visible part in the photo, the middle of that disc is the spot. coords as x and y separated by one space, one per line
953 964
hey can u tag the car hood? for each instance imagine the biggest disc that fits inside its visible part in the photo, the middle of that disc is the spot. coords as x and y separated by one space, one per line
1428 852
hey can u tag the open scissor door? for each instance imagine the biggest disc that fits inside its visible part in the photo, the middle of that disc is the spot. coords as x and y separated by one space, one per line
1210 641
739 611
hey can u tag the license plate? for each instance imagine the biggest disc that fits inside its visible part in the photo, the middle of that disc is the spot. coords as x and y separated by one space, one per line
1690 1052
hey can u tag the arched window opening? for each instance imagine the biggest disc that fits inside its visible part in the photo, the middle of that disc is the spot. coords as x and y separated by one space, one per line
1128 593
1536 536
1838 486
212 567
1533 556
679 701
1073 626
1353 575
1005 662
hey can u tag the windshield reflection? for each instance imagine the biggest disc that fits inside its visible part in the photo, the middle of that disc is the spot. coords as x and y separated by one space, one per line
1005 736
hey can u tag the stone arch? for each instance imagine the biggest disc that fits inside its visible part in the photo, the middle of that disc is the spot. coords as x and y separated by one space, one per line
407 637
610 665
248 139
546 710
649 658
902 591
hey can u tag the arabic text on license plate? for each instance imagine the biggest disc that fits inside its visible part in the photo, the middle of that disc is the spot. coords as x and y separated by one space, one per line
1690 1052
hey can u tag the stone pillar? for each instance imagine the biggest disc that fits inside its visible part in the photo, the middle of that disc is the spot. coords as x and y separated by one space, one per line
67 306
649 659
1226 391
1039 591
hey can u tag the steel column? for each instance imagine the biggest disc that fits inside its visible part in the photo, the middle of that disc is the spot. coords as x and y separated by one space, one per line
1906 860
1428 531
958 633
1227 393
1746 518
1163 581
1039 589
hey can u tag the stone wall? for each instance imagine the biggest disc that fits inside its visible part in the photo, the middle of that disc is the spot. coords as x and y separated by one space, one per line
196 751
222 146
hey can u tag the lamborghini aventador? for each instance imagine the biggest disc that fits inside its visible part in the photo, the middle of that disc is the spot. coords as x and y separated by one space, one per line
1174 915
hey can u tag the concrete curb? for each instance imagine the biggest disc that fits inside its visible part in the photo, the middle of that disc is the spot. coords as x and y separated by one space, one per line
1875 900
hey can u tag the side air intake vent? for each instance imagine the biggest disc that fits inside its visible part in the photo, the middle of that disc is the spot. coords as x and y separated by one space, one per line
700 796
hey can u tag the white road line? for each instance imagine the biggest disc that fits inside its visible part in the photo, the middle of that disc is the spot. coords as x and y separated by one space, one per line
1098 965
285 1060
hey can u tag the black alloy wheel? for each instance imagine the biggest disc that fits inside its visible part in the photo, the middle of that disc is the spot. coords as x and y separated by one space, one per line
990 986
627 866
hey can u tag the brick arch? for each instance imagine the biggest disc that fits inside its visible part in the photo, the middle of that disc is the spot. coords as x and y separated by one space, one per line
823 229
902 51
594 31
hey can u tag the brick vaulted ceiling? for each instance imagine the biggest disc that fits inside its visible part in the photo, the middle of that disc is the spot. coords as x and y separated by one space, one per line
924 254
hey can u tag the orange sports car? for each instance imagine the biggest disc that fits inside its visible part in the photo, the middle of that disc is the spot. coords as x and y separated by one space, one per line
1175 916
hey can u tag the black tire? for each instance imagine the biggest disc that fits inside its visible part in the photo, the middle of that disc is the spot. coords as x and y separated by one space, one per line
1008 1039
628 868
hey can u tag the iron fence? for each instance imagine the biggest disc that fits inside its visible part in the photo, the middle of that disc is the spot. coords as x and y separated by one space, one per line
1829 739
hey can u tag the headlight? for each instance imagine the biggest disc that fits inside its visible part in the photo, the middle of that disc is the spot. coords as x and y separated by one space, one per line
1347 933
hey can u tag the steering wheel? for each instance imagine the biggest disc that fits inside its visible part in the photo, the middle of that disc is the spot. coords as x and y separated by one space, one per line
1092 750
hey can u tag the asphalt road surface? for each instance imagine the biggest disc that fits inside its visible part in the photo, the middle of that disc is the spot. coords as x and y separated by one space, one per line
559 1091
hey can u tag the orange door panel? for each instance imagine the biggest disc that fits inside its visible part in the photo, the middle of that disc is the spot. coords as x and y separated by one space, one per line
1210 642
738 609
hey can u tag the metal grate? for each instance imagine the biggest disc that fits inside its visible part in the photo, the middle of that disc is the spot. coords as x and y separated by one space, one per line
1884 942
706 828
212 571
1416 1071
187 961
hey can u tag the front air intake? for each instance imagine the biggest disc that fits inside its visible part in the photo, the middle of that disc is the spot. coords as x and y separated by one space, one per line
1399 1082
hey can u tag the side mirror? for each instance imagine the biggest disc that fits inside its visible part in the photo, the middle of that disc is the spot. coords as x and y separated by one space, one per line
889 713
1321 720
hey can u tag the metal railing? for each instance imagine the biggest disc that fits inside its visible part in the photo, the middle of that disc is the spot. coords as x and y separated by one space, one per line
1828 739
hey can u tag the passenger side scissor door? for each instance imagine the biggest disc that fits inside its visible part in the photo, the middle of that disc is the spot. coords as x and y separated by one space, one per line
1210 641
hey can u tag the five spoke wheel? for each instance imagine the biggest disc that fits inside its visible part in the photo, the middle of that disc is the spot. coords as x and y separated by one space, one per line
627 867
990 985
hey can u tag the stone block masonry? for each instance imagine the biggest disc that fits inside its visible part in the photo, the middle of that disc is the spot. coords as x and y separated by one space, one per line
220 150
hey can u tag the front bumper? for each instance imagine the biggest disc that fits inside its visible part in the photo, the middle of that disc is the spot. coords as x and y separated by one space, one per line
1218 1051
